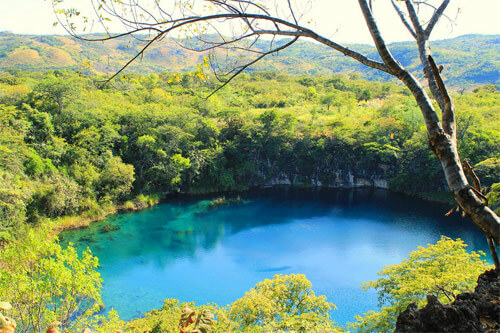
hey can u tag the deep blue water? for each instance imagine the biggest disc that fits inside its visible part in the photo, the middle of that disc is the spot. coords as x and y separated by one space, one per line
338 238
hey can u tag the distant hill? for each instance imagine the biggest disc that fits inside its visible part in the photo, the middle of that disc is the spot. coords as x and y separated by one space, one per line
468 60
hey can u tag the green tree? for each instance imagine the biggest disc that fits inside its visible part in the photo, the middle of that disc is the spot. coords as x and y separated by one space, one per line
444 269
166 319
106 324
56 195
332 99
13 199
115 180
46 283
494 197
284 303
51 93
488 170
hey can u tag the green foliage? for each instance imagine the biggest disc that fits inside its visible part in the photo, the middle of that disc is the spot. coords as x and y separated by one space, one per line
57 196
45 282
444 269
284 303
488 170
143 201
12 202
494 197
167 319
106 324
115 180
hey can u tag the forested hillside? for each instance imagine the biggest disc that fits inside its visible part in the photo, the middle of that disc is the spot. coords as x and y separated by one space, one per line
468 61
67 148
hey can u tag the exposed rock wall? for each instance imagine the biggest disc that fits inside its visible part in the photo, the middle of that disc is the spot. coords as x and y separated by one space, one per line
337 179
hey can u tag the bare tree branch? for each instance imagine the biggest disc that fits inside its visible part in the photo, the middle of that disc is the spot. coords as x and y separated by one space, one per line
298 31
403 19
242 68
419 31
435 18
424 53
494 254
139 54
292 12
394 66
472 174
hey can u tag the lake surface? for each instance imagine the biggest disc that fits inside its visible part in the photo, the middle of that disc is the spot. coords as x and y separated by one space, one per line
338 238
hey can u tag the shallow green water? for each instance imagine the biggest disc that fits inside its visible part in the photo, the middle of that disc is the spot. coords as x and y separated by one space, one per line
186 250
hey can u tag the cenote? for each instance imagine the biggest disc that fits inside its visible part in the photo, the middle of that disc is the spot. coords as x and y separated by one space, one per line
338 238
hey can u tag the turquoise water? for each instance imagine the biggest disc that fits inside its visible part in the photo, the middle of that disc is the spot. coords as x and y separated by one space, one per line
338 238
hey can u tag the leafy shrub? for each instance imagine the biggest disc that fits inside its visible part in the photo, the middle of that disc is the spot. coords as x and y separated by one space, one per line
128 205
45 282
167 318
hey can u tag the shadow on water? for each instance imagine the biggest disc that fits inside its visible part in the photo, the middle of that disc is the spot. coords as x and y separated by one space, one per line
337 237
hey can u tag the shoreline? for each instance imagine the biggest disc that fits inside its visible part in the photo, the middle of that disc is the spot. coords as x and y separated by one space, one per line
80 221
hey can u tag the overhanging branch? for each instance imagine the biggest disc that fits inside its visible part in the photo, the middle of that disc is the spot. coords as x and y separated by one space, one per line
293 30
404 20
243 67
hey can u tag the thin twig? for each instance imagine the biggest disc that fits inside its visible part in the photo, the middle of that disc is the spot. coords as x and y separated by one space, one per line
435 17
403 19
242 68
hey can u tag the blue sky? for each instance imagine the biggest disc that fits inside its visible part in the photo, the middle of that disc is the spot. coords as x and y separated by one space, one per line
336 19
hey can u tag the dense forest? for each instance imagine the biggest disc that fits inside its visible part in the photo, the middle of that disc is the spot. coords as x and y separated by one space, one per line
70 149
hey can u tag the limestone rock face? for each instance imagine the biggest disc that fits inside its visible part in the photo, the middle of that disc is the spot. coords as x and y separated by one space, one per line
470 312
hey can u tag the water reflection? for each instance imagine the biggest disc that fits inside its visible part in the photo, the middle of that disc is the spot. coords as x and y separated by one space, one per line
187 250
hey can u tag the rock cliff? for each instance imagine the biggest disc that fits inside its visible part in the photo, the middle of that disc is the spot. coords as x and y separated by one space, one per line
470 312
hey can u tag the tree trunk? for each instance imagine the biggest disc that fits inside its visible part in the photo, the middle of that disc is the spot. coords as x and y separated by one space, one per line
441 133
446 150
